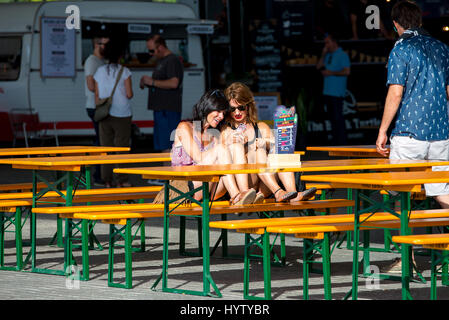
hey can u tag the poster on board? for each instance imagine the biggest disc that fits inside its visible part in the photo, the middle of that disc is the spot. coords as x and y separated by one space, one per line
266 104
57 48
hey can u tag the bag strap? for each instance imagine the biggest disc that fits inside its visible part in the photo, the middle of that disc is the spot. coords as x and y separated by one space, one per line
116 81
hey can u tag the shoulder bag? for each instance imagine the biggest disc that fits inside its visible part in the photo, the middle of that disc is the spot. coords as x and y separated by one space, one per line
103 106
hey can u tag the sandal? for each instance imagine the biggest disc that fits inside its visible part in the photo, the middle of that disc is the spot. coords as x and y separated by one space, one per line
245 197
287 196
259 198
308 194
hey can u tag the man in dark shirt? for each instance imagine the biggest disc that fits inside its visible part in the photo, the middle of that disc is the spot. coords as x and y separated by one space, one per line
165 92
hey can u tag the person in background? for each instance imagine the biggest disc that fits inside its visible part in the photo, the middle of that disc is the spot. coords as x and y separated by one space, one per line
92 63
164 94
250 141
418 92
197 142
115 130
335 67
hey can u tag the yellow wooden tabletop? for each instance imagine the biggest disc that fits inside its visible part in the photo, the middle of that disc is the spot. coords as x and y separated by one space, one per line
184 172
73 163
356 150
400 181
59 150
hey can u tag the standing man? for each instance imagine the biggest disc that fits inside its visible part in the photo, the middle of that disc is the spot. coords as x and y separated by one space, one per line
165 92
92 63
335 67
418 80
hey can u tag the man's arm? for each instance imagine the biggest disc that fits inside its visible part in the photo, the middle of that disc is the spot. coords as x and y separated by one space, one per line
90 83
343 72
447 92
394 97
171 83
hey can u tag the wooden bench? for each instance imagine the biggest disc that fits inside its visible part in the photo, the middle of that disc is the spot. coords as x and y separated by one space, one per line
20 186
16 203
310 228
435 242
123 214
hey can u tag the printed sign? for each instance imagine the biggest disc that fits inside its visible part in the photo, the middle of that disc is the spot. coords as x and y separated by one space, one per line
266 104
57 48
200 29
285 125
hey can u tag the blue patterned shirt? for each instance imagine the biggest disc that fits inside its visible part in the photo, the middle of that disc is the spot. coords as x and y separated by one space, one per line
420 63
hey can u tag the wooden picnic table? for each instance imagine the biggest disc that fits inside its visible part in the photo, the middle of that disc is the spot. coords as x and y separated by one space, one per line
212 173
359 151
62 150
68 166
402 182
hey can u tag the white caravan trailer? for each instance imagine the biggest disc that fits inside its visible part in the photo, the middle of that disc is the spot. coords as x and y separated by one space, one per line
56 92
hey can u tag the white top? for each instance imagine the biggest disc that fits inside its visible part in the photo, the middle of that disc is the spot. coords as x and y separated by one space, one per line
105 77
90 66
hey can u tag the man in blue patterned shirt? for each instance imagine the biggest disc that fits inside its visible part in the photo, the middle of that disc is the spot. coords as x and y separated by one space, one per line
418 80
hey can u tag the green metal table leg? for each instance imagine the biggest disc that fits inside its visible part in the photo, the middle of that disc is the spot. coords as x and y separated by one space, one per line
85 248
325 253
433 275
128 255
355 259
306 264
266 265
165 237
405 248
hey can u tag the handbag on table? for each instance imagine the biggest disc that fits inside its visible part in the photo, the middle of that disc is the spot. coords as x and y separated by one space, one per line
103 105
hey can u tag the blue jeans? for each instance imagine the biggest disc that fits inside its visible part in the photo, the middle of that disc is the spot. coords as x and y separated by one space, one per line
165 122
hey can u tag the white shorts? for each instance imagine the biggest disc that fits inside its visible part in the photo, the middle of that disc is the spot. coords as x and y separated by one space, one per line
410 148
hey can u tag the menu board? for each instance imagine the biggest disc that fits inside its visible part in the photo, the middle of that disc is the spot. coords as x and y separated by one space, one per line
57 48
266 54
266 104
285 125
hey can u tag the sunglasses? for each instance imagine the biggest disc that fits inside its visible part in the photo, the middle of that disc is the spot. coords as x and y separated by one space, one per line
240 108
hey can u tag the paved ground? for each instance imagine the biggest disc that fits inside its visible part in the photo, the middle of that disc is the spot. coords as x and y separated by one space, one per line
185 272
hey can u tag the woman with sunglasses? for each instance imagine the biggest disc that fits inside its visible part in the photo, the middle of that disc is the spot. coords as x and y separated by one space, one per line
197 142
245 135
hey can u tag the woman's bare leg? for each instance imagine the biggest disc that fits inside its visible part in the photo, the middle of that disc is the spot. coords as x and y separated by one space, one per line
269 179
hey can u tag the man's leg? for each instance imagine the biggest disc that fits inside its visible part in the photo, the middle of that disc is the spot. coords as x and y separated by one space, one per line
335 110
439 150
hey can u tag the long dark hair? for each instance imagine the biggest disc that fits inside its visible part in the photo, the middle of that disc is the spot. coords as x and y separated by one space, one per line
212 100
114 50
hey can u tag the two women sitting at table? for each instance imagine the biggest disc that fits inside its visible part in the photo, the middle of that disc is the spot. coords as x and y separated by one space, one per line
207 140
252 140
197 142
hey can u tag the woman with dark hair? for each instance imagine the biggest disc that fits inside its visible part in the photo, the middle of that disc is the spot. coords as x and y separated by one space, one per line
197 140
251 140
115 130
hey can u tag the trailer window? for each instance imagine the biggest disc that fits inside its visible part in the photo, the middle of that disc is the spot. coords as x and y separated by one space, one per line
10 57
134 41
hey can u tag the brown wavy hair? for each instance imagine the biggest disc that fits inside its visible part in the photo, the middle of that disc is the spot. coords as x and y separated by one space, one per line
243 95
